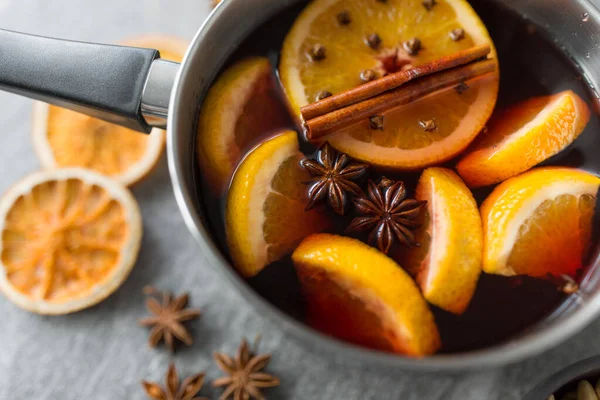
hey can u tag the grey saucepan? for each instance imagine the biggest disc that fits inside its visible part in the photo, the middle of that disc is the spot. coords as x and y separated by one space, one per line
135 88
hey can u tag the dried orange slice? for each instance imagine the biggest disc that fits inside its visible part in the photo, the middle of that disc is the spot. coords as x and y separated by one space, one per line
241 109
447 264
539 222
70 237
357 293
523 136
265 217
331 45
64 138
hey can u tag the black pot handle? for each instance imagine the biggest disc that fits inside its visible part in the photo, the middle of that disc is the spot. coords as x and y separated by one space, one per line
103 81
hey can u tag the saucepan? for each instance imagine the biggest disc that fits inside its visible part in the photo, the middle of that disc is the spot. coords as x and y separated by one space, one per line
135 88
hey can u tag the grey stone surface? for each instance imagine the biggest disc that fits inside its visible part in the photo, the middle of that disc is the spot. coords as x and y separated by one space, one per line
102 354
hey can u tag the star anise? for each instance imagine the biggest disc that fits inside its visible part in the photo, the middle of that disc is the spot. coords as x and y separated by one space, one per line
244 378
388 214
334 175
172 390
168 318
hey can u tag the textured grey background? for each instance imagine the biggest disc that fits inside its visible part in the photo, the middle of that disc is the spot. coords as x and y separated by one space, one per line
102 354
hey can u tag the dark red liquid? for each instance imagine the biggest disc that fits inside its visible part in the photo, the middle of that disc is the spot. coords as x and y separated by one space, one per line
502 307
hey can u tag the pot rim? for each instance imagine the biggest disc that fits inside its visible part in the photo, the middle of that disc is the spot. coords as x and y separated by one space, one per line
555 382
517 349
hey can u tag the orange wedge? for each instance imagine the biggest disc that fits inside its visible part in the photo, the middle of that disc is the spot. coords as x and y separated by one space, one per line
447 265
265 218
64 138
240 110
358 294
70 237
523 136
342 29
539 223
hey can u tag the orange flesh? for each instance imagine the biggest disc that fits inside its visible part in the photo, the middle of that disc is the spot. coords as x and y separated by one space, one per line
62 239
286 222
262 115
556 239
382 18
334 311
511 120
401 126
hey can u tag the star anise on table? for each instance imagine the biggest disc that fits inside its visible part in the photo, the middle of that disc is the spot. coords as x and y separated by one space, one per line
168 318
388 214
244 378
333 174
172 390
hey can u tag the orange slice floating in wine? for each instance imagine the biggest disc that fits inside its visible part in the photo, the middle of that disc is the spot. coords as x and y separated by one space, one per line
523 136
265 218
334 43
358 294
539 223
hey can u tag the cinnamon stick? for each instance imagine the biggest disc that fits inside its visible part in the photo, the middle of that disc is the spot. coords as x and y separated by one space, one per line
391 81
331 122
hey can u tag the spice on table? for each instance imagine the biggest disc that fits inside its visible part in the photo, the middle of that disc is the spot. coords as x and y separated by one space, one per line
388 214
168 318
173 390
333 174
244 378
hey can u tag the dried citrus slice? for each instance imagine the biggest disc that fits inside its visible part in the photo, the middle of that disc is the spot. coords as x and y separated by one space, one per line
523 136
241 109
265 217
539 223
357 293
70 237
331 45
64 138
447 264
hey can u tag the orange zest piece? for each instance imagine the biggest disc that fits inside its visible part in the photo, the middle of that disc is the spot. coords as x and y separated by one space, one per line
358 294
523 136
70 237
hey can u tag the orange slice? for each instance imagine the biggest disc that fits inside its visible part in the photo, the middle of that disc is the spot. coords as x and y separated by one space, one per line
358 294
523 136
241 109
539 223
70 237
447 265
403 143
64 138
265 218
